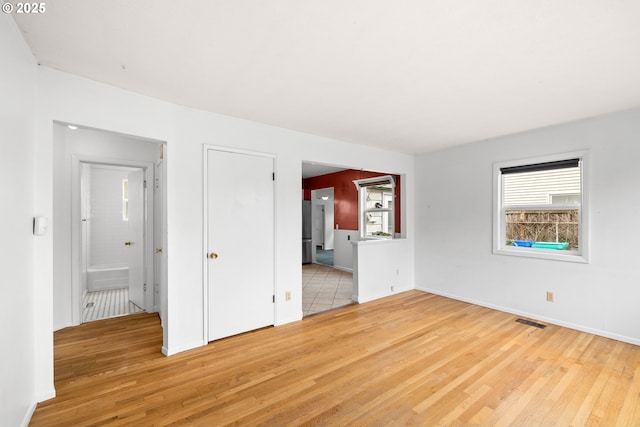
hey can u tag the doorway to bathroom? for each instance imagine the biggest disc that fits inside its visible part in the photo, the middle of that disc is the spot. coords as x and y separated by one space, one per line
109 217
112 204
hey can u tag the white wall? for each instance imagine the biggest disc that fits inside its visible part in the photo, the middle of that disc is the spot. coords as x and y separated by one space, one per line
343 249
68 98
381 268
454 229
108 230
17 257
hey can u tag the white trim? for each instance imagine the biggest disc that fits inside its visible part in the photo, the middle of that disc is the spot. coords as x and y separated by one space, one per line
345 269
205 247
361 300
361 185
292 319
27 416
582 256
205 229
179 349
375 241
546 319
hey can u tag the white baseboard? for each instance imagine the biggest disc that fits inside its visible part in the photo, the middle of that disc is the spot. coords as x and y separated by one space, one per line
577 327
374 297
362 300
341 268
286 320
49 394
179 349
62 326
27 416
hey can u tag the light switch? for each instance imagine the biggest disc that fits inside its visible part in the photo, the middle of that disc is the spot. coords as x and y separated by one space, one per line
40 225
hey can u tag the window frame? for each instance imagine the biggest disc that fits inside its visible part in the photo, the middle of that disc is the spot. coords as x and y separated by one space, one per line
125 199
361 186
499 219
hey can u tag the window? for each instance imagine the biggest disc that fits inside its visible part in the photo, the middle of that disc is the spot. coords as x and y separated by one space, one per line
376 202
125 199
564 199
541 208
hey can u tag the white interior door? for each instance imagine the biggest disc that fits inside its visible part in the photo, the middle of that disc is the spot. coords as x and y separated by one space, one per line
240 228
135 243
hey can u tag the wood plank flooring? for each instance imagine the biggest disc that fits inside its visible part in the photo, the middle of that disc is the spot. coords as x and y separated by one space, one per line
410 359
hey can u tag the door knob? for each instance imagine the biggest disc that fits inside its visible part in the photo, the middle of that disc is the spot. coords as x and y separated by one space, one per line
213 255
159 250
128 243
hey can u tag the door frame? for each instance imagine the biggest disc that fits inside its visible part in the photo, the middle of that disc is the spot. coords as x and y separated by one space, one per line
205 228
76 228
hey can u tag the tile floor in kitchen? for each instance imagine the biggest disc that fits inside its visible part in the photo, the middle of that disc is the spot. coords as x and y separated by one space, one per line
325 288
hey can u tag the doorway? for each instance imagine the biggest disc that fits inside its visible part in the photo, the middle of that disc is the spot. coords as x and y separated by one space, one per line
78 151
322 218
324 286
239 242
113 216
327 279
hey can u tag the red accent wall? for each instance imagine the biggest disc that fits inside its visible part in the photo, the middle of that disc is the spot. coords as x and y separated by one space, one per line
346 196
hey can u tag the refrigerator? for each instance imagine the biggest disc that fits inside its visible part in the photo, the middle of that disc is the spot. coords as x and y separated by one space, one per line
306 231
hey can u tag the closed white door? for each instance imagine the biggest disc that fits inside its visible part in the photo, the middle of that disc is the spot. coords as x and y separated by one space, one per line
240 242
135 242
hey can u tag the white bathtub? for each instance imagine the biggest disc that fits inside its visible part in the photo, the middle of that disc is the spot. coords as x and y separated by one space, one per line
103 279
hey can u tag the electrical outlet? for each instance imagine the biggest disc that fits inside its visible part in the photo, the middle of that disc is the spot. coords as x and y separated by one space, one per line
287 296
549 296
393 288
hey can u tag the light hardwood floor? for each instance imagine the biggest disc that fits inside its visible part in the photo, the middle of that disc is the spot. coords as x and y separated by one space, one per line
410 359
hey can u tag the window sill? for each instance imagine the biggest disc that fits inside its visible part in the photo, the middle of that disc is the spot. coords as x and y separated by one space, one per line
543 254
370 241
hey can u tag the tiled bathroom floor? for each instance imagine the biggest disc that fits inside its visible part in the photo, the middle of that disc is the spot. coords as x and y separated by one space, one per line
105 304
324 288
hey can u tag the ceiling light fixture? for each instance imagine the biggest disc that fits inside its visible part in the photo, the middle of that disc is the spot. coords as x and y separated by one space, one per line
325 197
72 127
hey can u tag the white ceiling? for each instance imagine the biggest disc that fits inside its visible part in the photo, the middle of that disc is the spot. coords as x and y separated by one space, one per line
412 76
316 169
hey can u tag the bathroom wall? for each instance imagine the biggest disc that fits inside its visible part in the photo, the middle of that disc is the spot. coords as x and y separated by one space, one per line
107 230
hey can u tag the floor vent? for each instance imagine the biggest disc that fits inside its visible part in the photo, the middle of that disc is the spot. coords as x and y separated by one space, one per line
530 323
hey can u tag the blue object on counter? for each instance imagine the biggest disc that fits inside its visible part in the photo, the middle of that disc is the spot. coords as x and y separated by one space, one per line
523 243
551 245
